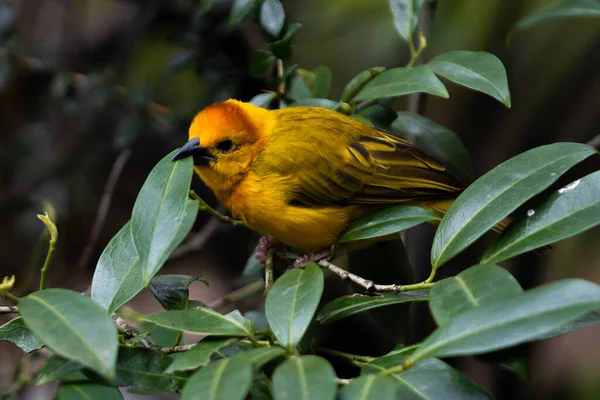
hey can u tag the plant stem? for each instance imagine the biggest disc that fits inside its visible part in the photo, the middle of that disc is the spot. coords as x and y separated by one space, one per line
9 309
414 57
11 297
341 354
269 270
253 341
202 206
243 293
46 266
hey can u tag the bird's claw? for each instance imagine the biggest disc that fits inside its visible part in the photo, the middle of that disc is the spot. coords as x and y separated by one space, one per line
264 245
303 261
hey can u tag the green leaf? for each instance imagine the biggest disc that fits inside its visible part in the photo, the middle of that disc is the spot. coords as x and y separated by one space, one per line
304 378
571 210
272 17
261 389
197 356
440 141
163 215
371 387
74 327
364 120
203 320
263 100
172 291
386 221
402 81
345 306
499 192
476 70
144 371
240 9
406 16
58 368
591 318
159 335
260 63
356 84
262 355
87 391
283 47
18 333
561 9
227 379
291 303
474 287
118 275
431 379
324 103
322 81
513 320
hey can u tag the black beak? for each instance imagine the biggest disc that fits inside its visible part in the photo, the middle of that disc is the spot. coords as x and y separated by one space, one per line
192 148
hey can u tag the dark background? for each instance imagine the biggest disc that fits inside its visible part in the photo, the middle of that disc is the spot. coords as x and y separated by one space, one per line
84 83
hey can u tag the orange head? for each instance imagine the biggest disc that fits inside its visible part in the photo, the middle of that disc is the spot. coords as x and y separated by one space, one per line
225 138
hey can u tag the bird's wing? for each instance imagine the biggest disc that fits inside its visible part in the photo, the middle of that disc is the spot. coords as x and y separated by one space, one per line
367 166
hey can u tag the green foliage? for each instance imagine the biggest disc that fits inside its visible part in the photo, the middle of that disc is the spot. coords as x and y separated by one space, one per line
480 311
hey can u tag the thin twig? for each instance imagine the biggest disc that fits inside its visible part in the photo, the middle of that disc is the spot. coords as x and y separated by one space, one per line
595 142
269 270
280 71
105 200
9 309
355 359
365 104
203 206
243 293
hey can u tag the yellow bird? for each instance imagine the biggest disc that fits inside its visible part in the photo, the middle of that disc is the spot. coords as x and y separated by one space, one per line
302 174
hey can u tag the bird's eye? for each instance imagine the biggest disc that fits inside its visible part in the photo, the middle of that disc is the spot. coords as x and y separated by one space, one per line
225 145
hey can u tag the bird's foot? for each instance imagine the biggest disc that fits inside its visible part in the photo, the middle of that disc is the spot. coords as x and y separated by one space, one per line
302 261
265 244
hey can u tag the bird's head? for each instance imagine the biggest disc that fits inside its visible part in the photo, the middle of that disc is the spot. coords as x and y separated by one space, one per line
224 140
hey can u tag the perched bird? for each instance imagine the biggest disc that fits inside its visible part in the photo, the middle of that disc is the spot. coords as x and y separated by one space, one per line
302 174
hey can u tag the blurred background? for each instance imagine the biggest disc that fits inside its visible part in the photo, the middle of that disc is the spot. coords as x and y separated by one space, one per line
94 92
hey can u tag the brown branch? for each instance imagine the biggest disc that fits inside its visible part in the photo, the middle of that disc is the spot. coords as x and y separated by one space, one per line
105 201
9 309
280 71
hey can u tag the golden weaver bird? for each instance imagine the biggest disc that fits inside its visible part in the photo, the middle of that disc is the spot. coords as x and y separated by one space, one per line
302 174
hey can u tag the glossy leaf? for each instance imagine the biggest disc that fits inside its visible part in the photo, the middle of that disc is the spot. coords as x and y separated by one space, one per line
386 221
571 210
227 379
74 327
272 16
345 306
144 371
476 70
499 192
163 215
172 291
240 9
203 320
371 387
261 389
440 141
291 303
591 318
262 355
18 333
283 47
263 100
402 81
253 270
561 9
431 379
406 16
87 391
304 378
260 63
474 287
324 103
118 275
322 81
358 82
197 356
513 320
58 368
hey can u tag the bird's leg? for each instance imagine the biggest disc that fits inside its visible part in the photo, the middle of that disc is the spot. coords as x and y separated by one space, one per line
266 243
302 261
